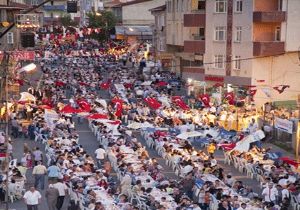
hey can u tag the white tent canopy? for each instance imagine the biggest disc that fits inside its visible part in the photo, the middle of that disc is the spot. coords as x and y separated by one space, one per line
187 135
244 145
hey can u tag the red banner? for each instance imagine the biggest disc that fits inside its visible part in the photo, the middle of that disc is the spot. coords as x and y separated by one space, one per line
153 103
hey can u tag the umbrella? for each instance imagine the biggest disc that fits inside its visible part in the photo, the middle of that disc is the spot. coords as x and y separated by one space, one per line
187 135
25 96
147 83
137 125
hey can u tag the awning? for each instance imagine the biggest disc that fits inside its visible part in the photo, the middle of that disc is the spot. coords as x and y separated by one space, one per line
134 30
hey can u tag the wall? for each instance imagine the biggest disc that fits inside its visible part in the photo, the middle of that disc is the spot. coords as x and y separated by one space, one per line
265 5
264 31
243 48
293 25
213 47
139 14
279 70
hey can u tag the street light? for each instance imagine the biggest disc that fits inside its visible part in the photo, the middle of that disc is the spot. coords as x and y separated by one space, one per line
98 14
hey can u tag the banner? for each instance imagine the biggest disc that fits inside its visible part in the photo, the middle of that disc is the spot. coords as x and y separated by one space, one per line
50 117
284 125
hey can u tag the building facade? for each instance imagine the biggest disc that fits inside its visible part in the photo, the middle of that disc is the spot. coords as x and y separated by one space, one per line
237 42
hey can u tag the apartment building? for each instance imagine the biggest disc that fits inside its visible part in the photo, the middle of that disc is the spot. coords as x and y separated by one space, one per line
237 42
7 12
160 35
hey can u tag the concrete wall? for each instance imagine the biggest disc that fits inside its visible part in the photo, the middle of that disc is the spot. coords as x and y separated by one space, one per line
279 70
139 14
293 25
243 48
213 47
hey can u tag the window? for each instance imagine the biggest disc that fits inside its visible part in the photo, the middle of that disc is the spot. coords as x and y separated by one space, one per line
177 6
219 61
239 6
238 34
279 5
220 33
201 35
201 4
277 34
221 6
237 62
10 38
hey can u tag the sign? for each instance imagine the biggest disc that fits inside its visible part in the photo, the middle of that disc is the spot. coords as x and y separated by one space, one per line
284 125
214 78
23 55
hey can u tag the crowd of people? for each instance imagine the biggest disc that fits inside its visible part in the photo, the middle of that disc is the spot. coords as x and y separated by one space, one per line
126 108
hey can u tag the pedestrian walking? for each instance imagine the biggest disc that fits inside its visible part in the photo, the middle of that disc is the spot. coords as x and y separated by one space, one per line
53 172
39 172
32 198
37 156
52 196
100 155
63 191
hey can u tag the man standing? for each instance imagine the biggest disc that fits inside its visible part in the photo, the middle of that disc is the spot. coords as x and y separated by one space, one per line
53 171
270 193
32 198
38 156
62 191
39 173
100 156
52 196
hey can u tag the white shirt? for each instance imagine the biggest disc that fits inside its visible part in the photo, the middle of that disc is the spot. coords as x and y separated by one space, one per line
270 194
32 198
285 193
61 187
100 153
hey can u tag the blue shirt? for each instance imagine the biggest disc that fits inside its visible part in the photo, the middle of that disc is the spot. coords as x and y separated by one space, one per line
53 171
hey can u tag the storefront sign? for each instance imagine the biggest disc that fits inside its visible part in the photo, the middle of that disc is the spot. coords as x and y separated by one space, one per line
24 55
284 125
214 78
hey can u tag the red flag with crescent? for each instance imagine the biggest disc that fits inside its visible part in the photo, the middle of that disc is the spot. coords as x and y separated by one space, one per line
152 102
205 99
179 102
229 97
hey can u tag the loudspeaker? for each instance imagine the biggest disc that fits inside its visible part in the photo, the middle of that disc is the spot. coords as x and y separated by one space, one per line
27 39
239 103
72 6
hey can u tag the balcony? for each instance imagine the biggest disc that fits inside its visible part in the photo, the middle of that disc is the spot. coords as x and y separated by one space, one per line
269 17
268 48
194 46
194 20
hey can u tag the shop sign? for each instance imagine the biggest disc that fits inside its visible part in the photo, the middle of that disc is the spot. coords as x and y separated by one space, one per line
284 125
24 55
214 78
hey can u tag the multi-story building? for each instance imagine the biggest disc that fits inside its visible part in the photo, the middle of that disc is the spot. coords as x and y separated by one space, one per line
11 40
160 35
238 42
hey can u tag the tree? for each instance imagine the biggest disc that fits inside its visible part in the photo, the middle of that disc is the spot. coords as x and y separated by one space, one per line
105 20
66 20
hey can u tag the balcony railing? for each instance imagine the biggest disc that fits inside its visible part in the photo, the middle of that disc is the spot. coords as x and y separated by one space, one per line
198 37
269 17
194 46
268 48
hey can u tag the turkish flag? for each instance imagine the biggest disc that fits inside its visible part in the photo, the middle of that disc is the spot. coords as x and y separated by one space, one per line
205 99
59 83
83 84
162 83
118 106
105 85
84 106
179 102
68 109
153 103
46 101
229 97
97 116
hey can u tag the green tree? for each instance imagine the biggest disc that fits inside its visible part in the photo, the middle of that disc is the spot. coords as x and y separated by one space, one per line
105 20
66 20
